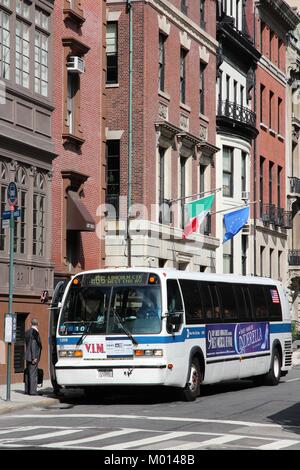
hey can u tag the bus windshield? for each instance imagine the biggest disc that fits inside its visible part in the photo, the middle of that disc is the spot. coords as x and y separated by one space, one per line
106 309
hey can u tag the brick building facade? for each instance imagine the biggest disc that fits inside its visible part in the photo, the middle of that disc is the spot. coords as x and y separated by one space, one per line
174 70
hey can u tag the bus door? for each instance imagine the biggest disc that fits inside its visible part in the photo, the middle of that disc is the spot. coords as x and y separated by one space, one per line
53 319
176 346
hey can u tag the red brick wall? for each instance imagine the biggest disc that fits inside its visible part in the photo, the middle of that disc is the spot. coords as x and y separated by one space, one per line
87 159
146 98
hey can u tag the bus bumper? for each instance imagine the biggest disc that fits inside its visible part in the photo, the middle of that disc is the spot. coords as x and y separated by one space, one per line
111 375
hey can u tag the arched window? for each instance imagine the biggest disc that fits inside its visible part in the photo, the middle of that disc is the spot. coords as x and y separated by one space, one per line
20 224
3 197
38 212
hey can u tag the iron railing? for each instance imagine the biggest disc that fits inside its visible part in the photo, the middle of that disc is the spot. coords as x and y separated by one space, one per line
237 112
270 214
294 257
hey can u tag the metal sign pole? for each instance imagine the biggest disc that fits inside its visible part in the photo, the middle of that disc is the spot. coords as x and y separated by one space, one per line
10 304
12 196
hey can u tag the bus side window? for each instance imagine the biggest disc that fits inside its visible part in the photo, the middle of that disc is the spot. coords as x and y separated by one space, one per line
259 303
228 301
243 303
273 302
207 304
216 312
174 296
192 301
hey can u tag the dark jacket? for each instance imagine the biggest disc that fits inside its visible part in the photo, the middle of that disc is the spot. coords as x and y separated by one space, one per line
33 345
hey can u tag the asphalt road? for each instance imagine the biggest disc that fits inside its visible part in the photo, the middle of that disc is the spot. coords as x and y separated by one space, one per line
235 416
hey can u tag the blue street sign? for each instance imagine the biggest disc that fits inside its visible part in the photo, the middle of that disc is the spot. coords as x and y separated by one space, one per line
12 193
6 214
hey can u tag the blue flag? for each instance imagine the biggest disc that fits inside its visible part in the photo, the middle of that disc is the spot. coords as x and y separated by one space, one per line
235 221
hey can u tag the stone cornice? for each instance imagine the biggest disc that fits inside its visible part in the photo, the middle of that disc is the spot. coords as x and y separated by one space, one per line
283 11
164 7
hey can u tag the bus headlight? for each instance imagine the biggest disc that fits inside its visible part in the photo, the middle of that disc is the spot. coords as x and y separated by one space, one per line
71 353
148 352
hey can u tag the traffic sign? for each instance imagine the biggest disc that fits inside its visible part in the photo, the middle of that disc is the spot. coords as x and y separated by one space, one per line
6 214
12 193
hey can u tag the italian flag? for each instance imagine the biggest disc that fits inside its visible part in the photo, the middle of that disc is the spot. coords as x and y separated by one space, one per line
197 211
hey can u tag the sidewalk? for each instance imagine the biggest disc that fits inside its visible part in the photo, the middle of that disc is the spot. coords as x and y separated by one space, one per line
19 401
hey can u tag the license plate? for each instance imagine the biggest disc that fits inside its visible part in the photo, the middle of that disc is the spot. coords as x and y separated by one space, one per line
105 373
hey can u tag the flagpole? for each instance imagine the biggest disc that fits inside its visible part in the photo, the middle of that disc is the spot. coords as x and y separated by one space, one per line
234 207
211 191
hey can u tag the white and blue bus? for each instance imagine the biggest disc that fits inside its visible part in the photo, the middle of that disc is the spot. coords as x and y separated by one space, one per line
169 328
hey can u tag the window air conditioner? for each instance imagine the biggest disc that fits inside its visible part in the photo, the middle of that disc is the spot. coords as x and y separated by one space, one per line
75 64
245 195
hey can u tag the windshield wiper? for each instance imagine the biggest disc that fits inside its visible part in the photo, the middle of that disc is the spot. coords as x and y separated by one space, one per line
85 333
134 341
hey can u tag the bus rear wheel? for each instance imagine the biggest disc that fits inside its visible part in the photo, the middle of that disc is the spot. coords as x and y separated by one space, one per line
192 389
274 374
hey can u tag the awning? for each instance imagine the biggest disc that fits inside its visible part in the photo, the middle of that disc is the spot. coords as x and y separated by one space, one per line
78 217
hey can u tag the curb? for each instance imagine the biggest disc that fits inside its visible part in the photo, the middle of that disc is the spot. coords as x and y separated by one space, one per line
9 407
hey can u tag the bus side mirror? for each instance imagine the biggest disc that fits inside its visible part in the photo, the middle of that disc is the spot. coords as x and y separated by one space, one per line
174 321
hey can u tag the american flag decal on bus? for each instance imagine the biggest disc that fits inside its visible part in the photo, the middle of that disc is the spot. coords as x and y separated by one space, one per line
275 296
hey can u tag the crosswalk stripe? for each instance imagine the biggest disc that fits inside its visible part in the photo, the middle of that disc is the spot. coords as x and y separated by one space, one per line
209 442
50 434
26 428
147 440
99 437
278 444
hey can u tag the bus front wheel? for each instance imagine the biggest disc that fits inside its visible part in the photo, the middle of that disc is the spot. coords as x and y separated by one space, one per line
192 389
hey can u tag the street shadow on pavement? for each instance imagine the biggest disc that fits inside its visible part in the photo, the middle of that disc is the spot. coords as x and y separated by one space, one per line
289 418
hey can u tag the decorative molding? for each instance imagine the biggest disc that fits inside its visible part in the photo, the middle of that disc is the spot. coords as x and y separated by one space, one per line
164 25
204 54
185 41
163 111
184 122
113 16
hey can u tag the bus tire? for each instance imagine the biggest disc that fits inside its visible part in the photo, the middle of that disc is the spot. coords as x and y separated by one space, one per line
274 374
192 389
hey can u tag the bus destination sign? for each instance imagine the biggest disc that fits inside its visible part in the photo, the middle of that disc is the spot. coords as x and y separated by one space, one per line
117 279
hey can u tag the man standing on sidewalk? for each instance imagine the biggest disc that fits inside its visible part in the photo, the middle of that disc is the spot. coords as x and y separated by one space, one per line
32 357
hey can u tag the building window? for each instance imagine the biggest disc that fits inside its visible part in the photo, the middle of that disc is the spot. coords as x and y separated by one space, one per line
227 171
112 52
202 179
244 241
73 84
202 87
113 175
3 199
279 116
262 33
183 6
182 188
202 14
41 76
244 172
4 45
279 264
272 36
22 53
38 213
279 174
183 54
261 184
20 223
23 8
161 65
271 165
271 98
262 94
228 257
271 261
280 48
161 195
242 92
262 250
227 87
235 91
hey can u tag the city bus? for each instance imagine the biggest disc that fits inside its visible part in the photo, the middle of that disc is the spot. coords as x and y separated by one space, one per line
159 327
